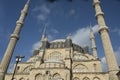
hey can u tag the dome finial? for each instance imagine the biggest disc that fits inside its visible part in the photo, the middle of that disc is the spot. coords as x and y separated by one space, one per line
44 32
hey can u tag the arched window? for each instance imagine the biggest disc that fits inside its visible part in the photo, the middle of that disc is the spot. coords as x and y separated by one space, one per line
95 70
80 68
38 77
27 69
76 78
78 56
96 78
55 55
86 78
56 76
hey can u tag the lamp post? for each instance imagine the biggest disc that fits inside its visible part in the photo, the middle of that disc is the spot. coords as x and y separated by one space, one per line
18 59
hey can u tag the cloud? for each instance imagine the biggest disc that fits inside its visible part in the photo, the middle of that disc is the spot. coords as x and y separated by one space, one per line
35 46
116 31
72 12
103 60
104 65
82 35
50 37
43 8
117 54
10 68
43 12
54 31
42 17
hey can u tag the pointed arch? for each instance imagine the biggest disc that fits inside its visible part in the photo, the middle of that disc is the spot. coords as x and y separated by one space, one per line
80 68
28 69
38 76
56 76
86 78
76 78
96 78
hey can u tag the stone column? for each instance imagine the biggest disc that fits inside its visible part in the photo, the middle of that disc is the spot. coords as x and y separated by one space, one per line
108 50
12 43
94 48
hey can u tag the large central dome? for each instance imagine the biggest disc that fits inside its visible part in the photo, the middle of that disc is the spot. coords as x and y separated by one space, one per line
62 43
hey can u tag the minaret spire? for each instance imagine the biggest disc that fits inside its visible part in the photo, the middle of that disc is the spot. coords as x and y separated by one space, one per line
92 38
28 1
12 43
44 33
44 41
109 53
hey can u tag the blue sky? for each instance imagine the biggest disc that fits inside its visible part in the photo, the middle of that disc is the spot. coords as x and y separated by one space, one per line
62 18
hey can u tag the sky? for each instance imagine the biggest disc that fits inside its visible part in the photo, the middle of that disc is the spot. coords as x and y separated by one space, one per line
62 18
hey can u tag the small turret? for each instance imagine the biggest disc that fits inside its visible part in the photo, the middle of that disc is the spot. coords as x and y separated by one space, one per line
45 43
86 49
68 42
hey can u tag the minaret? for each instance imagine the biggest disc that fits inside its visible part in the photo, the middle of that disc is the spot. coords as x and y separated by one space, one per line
43 37
12 43
94 48
68 42
43 44
44 41
109 53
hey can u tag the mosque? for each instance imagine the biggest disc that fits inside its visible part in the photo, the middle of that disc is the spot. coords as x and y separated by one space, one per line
62 59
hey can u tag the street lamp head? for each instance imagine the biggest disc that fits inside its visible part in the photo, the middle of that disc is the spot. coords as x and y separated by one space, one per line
18 58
